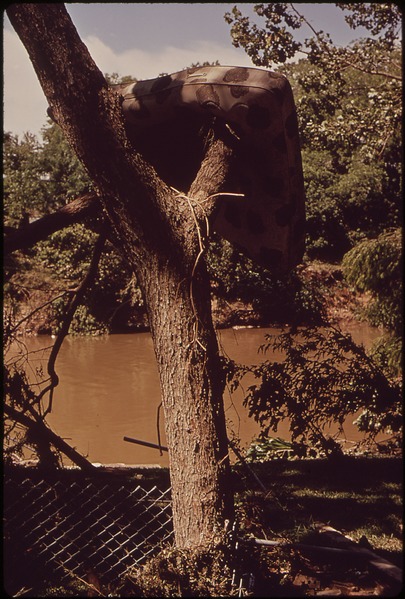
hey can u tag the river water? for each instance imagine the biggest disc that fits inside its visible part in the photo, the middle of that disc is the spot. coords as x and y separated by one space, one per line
109 389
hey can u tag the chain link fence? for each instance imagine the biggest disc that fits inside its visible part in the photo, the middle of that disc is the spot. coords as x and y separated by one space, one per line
71 524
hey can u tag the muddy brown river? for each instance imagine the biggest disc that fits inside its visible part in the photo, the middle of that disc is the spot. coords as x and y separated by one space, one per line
109 389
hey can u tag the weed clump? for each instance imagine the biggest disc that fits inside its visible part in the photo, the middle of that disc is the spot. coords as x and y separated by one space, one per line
218 570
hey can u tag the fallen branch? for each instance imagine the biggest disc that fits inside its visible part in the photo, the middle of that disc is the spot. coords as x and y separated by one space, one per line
40 430
346 547
146 444
378 563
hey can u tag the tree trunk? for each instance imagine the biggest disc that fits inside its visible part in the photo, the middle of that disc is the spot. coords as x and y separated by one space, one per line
192 385
191 372
161 236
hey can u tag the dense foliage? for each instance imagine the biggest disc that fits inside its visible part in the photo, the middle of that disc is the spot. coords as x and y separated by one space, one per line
376 266
40 178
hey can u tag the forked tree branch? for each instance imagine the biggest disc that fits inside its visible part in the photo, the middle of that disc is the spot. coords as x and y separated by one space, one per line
140 206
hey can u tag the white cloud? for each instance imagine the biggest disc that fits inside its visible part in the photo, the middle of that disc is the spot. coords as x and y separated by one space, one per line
147 65
25 104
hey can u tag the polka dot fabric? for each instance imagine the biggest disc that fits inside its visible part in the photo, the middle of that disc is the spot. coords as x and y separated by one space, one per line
165 115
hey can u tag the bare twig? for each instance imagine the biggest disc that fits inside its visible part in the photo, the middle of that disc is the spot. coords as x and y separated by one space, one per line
386 74
74 303
31 314
316 33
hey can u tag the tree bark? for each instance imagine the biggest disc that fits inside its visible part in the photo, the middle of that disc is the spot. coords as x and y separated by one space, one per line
192 376
162 236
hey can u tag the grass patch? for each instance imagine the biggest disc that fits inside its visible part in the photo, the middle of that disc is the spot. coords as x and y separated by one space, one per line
360 496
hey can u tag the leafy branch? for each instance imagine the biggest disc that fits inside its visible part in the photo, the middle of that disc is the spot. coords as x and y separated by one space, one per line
324 378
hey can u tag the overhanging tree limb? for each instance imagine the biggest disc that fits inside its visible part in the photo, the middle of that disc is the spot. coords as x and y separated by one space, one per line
74 212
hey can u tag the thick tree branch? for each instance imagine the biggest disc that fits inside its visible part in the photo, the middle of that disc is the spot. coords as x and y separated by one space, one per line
201 199
25 237
212 175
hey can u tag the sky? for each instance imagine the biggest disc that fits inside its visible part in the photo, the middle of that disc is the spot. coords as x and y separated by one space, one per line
142 40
